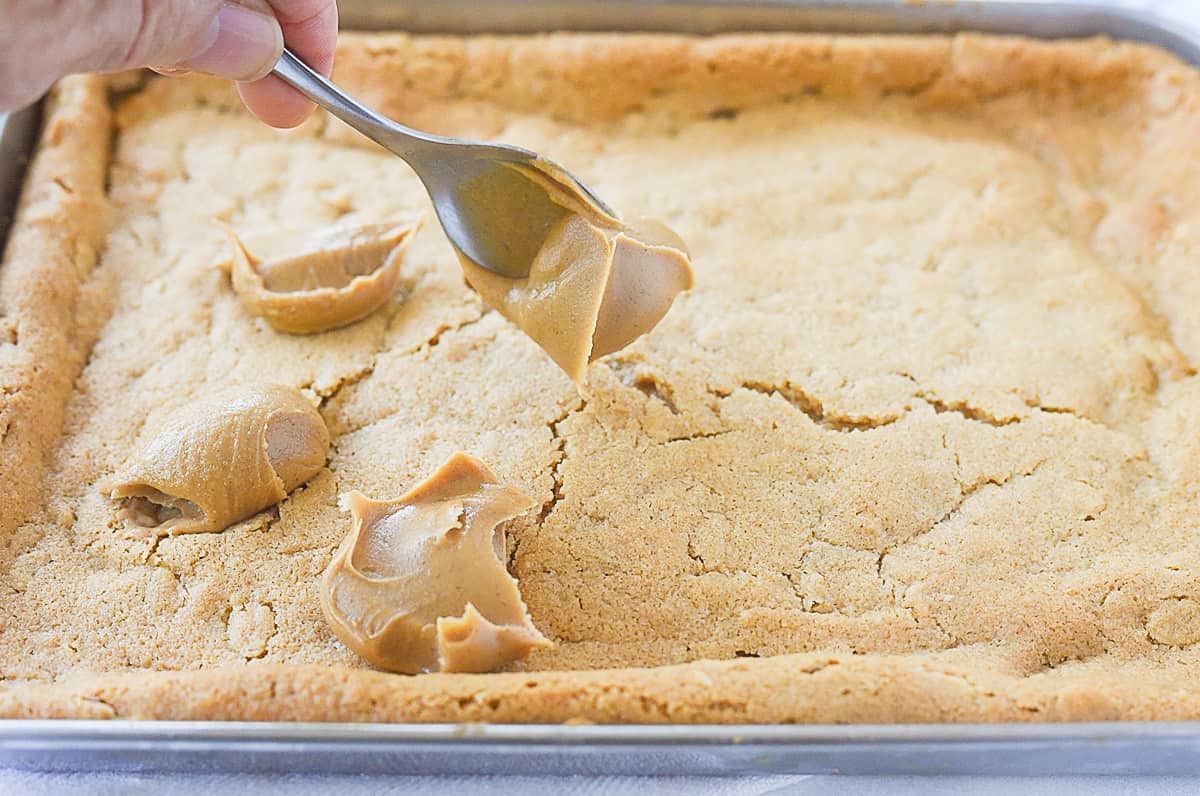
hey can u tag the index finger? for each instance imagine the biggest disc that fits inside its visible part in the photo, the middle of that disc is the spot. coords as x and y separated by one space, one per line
310 31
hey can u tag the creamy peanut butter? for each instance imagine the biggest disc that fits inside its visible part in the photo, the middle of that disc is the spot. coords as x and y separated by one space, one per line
594 286
419 583
312 283
219 460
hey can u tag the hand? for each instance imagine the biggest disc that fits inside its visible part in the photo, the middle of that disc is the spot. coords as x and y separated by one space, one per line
42 40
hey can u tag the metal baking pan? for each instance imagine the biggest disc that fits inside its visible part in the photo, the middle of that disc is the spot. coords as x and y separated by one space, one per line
1110 748
18 132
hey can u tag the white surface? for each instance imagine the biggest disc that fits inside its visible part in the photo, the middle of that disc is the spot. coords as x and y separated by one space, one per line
18 783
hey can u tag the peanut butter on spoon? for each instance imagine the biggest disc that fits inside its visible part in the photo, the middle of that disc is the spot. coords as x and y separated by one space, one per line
419 583
594 286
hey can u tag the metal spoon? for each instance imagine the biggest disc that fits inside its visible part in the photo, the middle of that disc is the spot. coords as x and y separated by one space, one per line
487 196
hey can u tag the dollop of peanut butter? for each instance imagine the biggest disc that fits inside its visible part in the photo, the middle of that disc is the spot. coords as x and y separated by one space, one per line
219 460
307 283
419 583
595 285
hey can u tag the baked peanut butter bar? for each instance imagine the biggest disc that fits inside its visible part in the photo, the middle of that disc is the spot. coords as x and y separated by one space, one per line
920 443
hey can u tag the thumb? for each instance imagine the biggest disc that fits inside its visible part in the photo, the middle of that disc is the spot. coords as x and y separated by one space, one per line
241 41
237 39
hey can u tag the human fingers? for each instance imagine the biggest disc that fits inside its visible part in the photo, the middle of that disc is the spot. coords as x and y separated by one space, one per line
310 30
41 42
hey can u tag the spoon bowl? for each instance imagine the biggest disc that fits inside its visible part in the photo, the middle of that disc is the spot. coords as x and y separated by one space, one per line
497 203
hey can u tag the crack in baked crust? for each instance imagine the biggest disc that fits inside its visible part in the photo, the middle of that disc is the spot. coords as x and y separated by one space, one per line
810 406
330 400
560 444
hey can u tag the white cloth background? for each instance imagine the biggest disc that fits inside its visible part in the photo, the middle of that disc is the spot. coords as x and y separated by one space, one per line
1185 13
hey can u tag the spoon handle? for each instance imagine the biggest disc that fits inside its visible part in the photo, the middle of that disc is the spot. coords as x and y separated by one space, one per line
383 131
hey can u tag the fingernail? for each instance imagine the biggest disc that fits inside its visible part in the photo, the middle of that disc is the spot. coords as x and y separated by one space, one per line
240 44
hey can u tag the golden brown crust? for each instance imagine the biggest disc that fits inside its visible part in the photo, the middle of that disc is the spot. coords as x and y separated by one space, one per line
958 486
46 322
808 688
